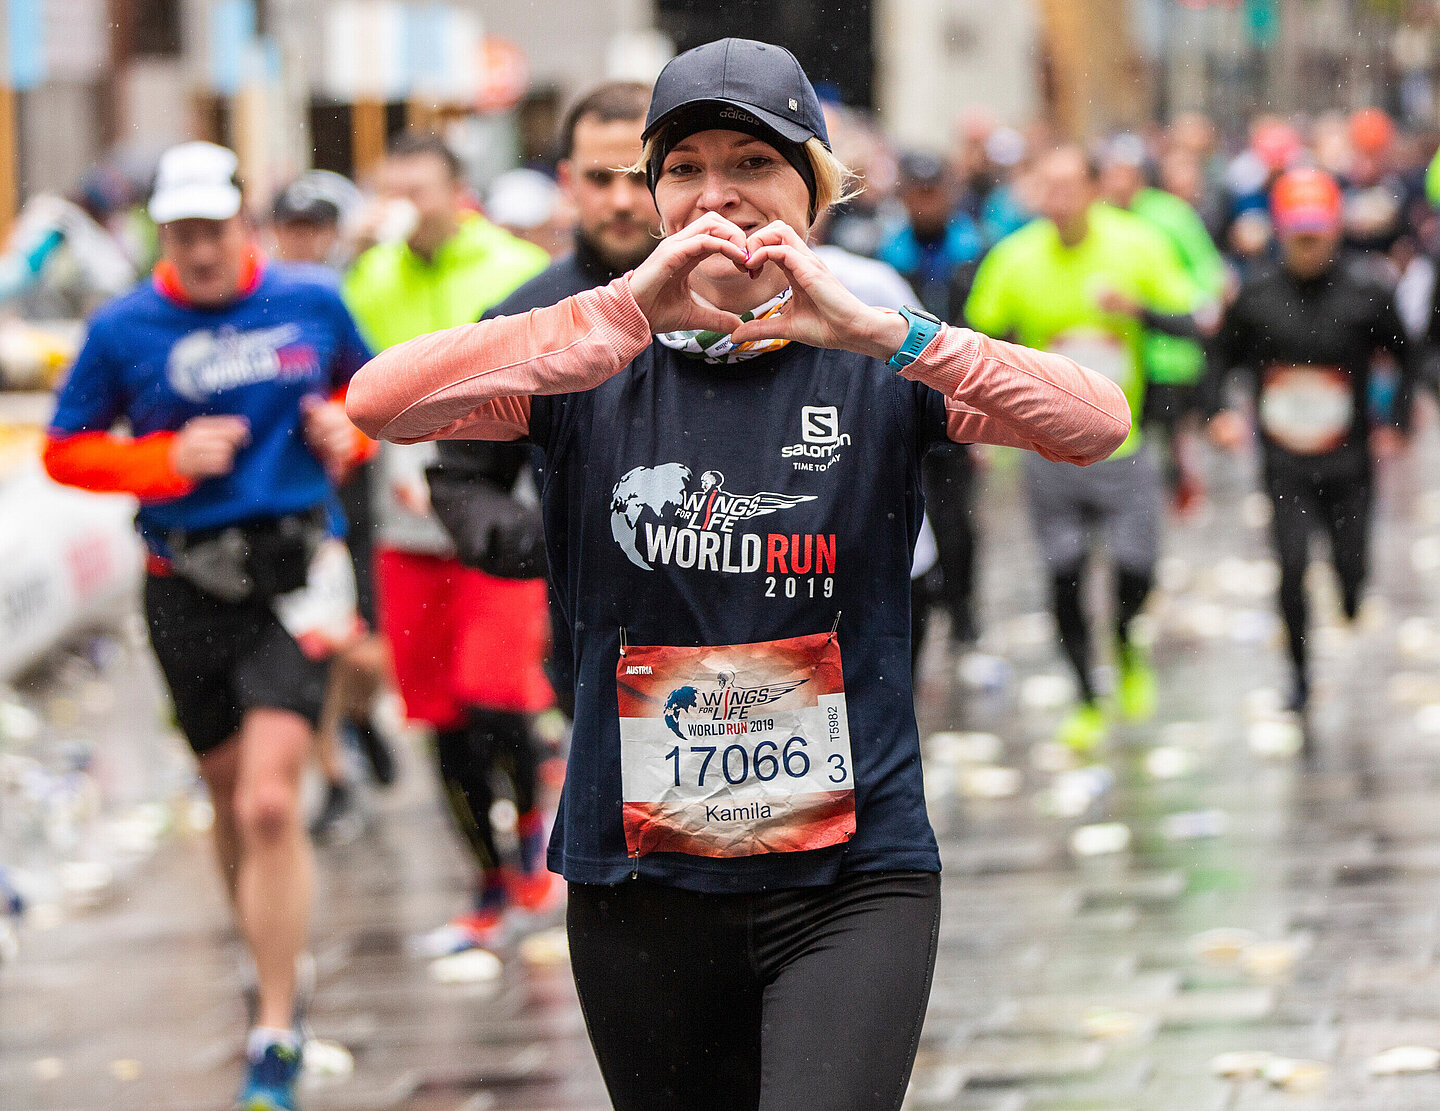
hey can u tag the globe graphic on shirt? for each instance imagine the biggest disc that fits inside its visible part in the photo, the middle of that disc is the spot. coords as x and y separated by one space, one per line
681 699
658 489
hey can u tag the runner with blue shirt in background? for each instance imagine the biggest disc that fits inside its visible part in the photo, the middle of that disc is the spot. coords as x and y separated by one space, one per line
228 374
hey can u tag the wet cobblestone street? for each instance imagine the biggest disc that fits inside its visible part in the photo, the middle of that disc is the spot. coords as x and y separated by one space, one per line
1204 919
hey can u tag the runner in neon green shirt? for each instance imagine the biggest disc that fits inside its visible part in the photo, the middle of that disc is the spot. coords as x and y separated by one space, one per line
1174 360
1086 280
1173 365
1432 180
395 293
453 265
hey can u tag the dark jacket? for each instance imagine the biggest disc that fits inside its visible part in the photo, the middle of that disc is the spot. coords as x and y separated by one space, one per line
469 474
1304 348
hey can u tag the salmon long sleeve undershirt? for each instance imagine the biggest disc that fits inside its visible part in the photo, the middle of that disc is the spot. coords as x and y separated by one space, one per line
475 381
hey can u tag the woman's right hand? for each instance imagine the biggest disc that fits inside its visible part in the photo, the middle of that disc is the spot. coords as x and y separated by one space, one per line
661 284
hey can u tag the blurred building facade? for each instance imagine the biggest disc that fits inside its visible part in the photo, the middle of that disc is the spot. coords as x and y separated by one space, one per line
1235 58
296 82
291 83
1093 66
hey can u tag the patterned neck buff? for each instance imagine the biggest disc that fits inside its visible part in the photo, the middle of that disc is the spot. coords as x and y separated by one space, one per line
713 347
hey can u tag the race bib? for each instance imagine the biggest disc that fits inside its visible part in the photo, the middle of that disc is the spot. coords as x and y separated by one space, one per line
322 614
1101 352
735 750
1308 410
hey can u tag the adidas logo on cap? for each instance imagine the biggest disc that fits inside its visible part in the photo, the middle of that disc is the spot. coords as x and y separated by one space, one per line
737 114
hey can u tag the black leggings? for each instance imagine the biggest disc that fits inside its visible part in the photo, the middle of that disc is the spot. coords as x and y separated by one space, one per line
803 999
468 758
1067 600
1340 506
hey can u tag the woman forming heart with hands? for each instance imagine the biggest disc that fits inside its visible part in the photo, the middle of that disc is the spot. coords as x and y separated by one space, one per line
732 446
821 311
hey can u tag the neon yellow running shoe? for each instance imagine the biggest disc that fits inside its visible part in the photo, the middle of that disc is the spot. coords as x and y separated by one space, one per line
1135 692
1083 729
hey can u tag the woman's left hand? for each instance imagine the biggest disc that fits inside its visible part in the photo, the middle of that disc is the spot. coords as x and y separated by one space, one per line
821 311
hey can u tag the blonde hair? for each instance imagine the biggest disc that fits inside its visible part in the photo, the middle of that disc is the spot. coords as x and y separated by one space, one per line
835 182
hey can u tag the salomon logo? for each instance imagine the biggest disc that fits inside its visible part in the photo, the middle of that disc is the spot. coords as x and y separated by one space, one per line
821 438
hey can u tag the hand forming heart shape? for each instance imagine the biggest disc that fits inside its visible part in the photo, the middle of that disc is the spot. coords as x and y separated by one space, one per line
821 312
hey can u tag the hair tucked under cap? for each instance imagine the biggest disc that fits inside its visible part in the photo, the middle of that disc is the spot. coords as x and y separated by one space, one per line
736 85
712 116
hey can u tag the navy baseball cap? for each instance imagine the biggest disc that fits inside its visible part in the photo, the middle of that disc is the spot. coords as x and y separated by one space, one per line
739 80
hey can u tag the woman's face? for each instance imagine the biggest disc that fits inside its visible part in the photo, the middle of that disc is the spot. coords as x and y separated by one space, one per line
745 180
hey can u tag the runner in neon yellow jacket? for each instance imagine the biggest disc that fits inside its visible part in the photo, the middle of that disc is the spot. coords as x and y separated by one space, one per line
1047 295
396 294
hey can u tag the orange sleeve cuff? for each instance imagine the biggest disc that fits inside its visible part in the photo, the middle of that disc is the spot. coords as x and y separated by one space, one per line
363 448
109 464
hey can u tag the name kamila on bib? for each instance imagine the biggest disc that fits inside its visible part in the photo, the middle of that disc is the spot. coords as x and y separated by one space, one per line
735 750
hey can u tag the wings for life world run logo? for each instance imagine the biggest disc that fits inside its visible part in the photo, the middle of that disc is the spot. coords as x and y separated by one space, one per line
660 515
725 702
205 363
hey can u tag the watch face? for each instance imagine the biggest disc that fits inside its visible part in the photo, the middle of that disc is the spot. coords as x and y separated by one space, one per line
923 314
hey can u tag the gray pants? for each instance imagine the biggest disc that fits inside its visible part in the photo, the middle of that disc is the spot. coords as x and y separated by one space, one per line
1120 498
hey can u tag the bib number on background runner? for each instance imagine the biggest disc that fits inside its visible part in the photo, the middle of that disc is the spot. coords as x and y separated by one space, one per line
1307 410
735 750
1098 351
322 615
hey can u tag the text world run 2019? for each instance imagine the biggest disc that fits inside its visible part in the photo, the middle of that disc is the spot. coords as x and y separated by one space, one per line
741 554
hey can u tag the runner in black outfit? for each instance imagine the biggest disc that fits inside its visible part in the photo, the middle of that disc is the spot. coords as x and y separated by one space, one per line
1304 334
753 911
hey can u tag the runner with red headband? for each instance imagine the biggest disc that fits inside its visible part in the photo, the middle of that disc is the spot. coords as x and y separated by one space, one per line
1303 334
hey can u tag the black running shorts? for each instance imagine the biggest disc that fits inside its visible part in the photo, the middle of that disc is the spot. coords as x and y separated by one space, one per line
221 659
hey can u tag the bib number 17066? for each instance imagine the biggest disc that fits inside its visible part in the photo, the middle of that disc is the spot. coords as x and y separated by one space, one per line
739 763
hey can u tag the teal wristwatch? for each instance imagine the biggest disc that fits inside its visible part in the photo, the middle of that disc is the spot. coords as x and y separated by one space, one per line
923 328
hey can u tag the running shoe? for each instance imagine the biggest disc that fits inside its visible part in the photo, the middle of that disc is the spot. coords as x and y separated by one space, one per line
481 929
537 892
1135 691
339 821
270 1081
1083 730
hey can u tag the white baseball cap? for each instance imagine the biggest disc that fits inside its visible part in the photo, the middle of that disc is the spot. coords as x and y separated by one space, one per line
195 181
